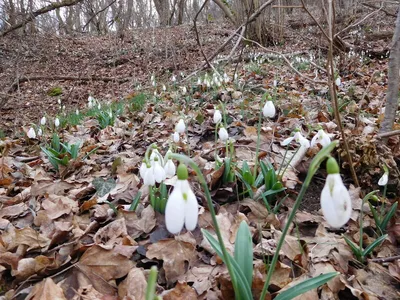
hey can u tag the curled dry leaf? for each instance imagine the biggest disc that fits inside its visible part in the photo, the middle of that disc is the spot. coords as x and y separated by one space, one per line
29 237
46 290
134 285
139 224
181 291
175 254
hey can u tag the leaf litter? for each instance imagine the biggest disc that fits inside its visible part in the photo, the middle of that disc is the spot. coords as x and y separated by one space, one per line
72 235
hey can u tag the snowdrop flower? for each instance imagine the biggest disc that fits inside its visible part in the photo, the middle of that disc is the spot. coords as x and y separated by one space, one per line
226 78
99 106
275 83
175 137
143 169
217 116
159 172
182 208
57 122
148 178
59 101
77 112
384 179
31 133
269 109
173 79
169 166
155 154
43 121
298 138
338 82
199 81
63 108
335 198
321 138
164 87
223 134
40 132
180 127
184 90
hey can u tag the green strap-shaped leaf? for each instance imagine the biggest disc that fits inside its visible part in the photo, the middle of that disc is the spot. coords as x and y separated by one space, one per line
244 251
306 286
372 246
387 218
238 279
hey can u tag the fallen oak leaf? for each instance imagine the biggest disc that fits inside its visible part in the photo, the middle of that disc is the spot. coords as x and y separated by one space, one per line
46 290
174 254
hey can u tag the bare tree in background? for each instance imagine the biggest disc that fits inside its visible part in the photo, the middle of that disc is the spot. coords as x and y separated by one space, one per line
392 97
162 8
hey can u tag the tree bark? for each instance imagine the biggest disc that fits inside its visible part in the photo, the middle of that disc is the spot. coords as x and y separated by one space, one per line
392 96
162 7
32 16
226 10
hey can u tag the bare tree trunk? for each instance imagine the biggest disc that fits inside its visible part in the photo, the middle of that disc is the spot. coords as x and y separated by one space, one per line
226 9
181 9
392 96
162 7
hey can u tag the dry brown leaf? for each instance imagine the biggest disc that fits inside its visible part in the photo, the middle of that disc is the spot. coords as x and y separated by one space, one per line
175 254
104 264
137 225
134 285
46 290
29 237
202 276
111 234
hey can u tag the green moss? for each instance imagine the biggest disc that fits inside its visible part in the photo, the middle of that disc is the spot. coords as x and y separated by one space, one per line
55 91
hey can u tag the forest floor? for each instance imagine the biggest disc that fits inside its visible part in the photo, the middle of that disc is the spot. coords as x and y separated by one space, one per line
62 218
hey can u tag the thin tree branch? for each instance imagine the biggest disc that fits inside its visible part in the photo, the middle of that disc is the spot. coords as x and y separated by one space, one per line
32 16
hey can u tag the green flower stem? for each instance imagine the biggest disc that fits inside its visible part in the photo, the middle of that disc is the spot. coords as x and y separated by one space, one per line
258 138
288 164
147 154
203 182
314 166
283 160
366 198
151 283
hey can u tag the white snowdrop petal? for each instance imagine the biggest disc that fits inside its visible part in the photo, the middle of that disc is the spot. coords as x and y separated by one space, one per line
314 140
269 109
170 168
217 116
287 141
223 134
180 127
335 201
143 170
31 133
175 137
191 211
175 211
384 179
159 172
148 178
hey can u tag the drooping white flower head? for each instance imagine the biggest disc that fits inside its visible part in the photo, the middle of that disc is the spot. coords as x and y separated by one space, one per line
223 134
77 112
269 109
31 133
275 83
149 178
159 172
59 101
99 106
198 81
321 138
175 137
43 121
173 79
40 132
143 169
217 116
298 138
182 207
169 168
57 122
184 90
335 198
164 87
180 126
384 179
338 82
